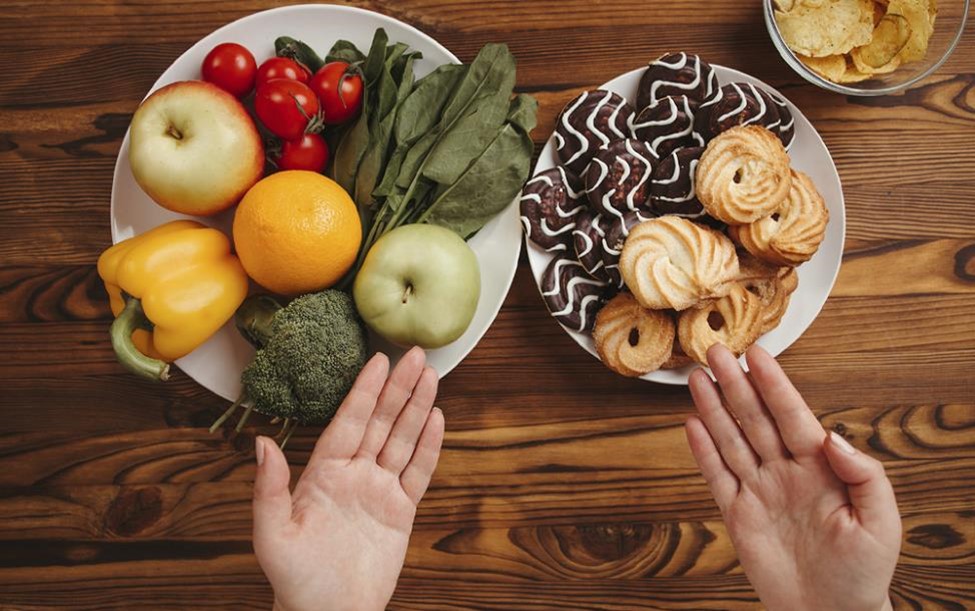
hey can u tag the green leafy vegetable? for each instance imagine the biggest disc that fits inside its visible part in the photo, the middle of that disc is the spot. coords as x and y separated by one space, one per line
285 46
491 182
450 149
344 51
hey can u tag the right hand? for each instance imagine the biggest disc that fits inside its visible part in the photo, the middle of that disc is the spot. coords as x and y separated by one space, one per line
814 521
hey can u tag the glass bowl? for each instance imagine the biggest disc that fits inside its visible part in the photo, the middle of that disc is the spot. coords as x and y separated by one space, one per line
948 28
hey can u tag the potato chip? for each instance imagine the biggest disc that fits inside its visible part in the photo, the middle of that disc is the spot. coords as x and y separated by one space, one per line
831 67
889 37
879 10
852 75
917 15
785 5
832 28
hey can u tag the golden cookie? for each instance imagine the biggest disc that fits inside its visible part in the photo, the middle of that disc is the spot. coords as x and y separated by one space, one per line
792 234
734 321
630 339
670 262
772 285
678 358
743 175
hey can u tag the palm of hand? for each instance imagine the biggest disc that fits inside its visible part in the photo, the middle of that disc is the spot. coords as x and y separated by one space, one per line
339 541
806 538
350 505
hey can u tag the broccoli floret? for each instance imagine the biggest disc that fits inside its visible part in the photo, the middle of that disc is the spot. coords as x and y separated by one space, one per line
310 354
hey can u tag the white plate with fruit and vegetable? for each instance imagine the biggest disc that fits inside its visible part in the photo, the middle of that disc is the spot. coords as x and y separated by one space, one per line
679 206
333 156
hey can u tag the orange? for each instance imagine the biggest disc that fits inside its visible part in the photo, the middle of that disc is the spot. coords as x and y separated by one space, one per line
297 232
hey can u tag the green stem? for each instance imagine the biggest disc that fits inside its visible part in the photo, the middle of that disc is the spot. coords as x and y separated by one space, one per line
131 318
287 436
244 417
230 410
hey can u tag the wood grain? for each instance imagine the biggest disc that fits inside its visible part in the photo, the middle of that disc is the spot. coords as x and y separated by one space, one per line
561 484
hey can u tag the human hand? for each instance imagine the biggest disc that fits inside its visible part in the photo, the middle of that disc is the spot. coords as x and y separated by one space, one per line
814 521
339 540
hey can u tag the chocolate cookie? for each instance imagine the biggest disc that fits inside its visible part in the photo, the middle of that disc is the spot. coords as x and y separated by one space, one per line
618 179
549 204
589 122
787 124
587 238
739 104
616 234
672 185
571 295
668 124
677 74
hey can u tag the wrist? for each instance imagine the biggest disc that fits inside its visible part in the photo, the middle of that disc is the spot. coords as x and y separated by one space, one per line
888 605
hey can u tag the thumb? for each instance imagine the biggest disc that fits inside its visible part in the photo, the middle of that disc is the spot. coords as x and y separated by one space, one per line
870 491
272 499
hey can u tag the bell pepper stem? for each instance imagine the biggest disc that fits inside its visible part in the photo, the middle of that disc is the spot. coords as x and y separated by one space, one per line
131 318
253 318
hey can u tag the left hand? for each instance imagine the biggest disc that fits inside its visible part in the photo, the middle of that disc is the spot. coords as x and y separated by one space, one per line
339 541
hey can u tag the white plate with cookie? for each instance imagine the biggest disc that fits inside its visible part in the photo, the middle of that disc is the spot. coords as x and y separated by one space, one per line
809 155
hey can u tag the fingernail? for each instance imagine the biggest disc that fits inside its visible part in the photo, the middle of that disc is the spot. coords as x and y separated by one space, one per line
259 450
841 443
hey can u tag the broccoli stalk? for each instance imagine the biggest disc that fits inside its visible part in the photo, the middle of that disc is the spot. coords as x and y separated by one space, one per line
309 354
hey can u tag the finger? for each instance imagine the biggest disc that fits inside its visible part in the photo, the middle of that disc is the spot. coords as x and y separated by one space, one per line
728 438
720 479
871 493
416 476
403 438
272 500
343 436
802 434
747 405
394 396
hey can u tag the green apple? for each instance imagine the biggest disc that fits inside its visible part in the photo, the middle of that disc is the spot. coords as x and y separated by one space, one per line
418 286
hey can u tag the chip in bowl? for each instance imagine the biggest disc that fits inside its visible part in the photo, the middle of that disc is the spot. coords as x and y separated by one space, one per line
881 54
918 14
831 67
846 41
829 28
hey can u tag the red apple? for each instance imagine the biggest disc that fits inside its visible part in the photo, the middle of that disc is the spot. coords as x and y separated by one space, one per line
194 149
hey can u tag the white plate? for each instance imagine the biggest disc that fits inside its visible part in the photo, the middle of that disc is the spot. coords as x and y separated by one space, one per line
217 364
816 276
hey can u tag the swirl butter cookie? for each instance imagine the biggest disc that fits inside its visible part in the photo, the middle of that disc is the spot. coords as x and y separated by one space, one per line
673 263
743 175
571 294
591 121
618 179
549 205
734 321
630 339
793 232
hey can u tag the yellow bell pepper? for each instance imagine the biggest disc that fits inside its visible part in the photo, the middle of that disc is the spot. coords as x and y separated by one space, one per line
170 289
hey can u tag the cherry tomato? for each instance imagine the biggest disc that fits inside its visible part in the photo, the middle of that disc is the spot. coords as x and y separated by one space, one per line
230 67
308 153
285 106
281 67
339 90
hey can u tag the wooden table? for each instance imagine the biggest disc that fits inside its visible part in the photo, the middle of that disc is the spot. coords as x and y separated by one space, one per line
561 484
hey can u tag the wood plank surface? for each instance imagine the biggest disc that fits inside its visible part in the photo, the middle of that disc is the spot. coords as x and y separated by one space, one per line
561 485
